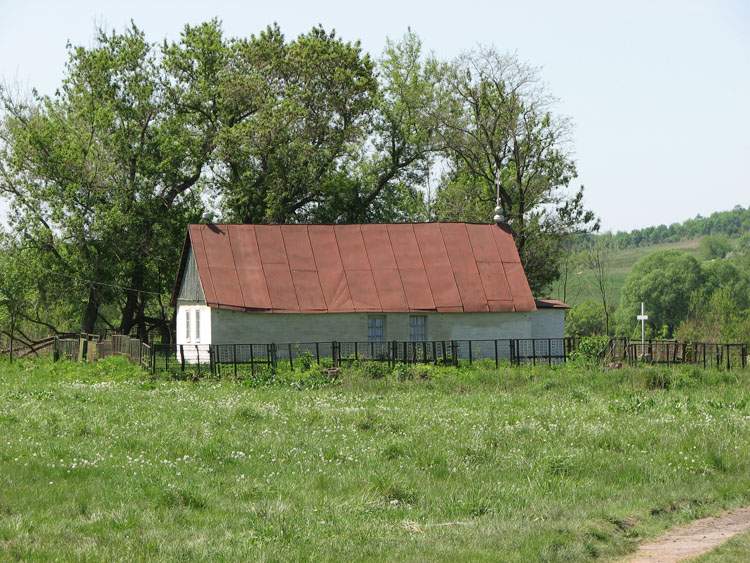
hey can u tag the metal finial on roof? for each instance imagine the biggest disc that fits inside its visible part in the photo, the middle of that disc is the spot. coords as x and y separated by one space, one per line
499 216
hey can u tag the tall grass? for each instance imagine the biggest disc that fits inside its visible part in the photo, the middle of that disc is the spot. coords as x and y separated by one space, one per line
104 462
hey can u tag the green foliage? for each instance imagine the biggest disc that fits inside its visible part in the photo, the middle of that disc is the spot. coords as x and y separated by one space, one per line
715 246
500 134
664 281
590 350
732 223
585 319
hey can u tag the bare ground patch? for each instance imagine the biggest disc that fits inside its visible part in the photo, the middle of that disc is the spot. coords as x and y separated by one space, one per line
695 539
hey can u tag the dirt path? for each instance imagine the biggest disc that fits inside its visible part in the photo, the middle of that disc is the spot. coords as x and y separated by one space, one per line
694 539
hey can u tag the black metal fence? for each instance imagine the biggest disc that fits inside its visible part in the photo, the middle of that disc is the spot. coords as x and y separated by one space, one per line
250 359
669 352
240 360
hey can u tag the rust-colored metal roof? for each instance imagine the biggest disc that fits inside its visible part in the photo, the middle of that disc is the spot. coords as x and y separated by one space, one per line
446 267
551 304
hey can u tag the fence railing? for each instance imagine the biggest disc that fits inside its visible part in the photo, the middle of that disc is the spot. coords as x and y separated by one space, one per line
251 359
722 356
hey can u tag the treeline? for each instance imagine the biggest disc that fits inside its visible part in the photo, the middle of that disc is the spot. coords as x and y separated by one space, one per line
143 138
732 223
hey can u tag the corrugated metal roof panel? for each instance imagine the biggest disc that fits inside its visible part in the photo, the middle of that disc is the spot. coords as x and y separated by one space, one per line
417 290
399 267
335 290
297 247
405 248
308 290
281 287
378 247
204 272
363 291
390 289
271 244
519 287
351 247
505 245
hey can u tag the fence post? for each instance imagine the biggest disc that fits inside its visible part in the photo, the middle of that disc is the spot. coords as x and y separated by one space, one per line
729 367
454 352
471 354
549 351
317 352
533 351
335 354
497 360
291 360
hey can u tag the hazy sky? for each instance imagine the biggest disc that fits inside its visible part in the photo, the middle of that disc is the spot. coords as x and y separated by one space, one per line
659 91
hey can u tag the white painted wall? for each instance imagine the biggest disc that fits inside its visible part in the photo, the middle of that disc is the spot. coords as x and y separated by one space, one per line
202 336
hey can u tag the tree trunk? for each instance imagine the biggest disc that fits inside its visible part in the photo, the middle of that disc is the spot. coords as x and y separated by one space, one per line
133 308
12 331
88 323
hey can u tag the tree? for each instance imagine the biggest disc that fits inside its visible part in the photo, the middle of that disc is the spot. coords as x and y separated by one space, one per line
103 176
498 132
16 290
585 319
596 257
295 115
665 281
395 161
714 246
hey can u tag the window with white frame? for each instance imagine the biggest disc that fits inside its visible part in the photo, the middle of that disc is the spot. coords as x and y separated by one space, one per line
187 325
376 328
197 325
417 328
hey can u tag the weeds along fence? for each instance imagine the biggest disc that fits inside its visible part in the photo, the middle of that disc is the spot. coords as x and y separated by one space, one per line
241 360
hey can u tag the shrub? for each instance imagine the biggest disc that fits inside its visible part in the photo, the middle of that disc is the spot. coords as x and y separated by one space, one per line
591 350
585 319
373 370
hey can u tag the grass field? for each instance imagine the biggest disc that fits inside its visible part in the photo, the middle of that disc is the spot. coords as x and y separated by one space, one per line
582 284
528 464
736 550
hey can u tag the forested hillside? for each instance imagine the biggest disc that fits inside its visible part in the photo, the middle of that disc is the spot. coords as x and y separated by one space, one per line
732 223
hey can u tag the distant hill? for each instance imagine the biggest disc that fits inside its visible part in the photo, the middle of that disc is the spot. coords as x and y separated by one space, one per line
629 247
581 284
730 223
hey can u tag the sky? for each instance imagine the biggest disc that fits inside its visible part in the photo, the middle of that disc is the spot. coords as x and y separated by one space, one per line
658 91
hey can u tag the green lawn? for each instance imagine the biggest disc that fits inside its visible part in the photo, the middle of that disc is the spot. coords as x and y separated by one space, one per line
568 464
582 283
736 550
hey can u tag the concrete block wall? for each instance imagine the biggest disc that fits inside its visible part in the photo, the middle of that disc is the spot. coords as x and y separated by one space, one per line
236 327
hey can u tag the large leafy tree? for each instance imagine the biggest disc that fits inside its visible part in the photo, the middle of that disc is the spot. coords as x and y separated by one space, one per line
101 176
296 113
500 136
665 281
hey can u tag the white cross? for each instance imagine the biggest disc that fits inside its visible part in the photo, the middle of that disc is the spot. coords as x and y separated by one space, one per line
643 317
